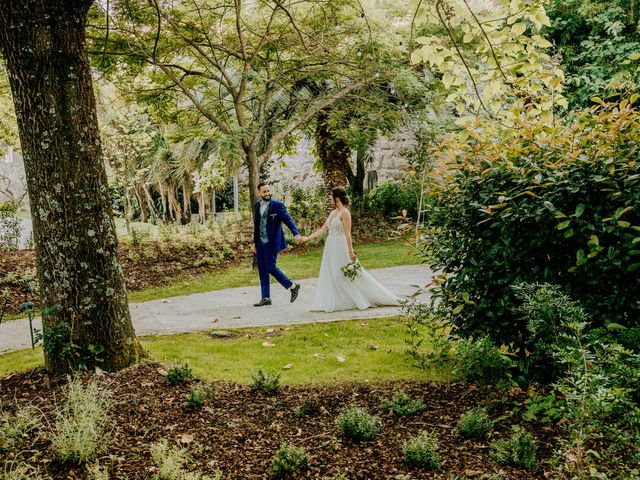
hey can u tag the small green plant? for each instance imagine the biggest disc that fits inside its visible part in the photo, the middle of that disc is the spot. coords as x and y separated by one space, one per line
402 405
15 470
517 451
265 382
308 408
197 396
13 428
482 362
356 424
97 472
179 374
475 424
422 452
169 460
288 460
81 423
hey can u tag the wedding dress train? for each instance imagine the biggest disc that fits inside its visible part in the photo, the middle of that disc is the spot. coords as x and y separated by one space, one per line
337 292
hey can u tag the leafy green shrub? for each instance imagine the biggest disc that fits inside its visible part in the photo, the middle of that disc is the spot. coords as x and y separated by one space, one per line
402 405
601 387
356 424
518 451
563 209
422 452
288 460
307 206
265 382
475 424
389 199
547 312
482 362
81 426
179 374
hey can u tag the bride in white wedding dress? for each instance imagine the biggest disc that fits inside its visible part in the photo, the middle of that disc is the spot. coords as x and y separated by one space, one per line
336 291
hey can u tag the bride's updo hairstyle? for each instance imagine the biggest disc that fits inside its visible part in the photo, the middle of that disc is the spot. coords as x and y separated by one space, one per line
341 194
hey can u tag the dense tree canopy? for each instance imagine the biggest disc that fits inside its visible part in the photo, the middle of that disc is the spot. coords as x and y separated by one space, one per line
598 40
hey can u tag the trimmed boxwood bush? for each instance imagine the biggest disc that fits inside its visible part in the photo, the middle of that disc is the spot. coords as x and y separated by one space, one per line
558 205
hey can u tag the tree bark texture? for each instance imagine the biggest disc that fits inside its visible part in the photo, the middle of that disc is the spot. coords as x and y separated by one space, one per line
85 313
334 155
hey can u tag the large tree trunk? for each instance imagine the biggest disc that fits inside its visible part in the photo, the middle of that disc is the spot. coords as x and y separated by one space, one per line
356 180
334 155
85 312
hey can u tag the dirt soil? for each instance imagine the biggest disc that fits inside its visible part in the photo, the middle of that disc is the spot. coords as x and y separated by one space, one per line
238 431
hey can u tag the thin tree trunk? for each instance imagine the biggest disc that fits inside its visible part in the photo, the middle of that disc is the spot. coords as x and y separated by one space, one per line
143 211
86 319
150 204
163 200
186 201
128 210
251 160
334 155
175 205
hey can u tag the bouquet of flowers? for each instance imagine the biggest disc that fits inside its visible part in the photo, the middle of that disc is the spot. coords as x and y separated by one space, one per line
352 269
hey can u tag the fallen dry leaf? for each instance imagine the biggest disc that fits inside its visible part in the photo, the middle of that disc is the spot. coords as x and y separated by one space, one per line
340 358
268 344
287 366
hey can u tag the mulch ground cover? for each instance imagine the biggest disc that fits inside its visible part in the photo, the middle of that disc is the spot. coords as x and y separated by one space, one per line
238 431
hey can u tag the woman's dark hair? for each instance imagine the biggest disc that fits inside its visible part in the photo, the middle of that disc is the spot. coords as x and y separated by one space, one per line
341 193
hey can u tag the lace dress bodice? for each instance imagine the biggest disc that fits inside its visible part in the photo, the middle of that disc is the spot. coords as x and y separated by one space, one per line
335 224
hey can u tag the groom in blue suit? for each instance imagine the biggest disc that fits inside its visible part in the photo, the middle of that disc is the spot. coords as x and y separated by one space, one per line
268 241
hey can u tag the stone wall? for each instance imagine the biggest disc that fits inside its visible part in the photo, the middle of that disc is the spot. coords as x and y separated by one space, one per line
298 169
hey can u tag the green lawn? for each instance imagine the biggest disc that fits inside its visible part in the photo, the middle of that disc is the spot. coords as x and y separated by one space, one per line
297 265
237 358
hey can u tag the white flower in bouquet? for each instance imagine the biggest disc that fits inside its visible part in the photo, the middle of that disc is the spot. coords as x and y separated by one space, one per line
351 270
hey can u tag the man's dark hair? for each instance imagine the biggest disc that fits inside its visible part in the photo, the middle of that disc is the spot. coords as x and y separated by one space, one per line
262 184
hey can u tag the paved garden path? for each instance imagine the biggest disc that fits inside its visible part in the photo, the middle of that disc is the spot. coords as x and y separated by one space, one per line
233 308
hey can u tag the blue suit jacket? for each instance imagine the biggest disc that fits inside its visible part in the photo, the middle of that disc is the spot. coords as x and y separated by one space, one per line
276 215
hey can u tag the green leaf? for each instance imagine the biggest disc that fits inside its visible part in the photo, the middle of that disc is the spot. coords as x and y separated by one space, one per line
615 327
580 209
563 225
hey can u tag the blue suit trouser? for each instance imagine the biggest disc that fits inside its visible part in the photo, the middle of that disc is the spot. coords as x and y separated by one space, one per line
266 257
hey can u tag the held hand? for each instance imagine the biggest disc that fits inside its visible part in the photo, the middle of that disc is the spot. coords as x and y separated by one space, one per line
298 239
353 256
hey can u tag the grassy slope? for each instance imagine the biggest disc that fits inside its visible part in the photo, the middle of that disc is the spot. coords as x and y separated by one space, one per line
236 359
